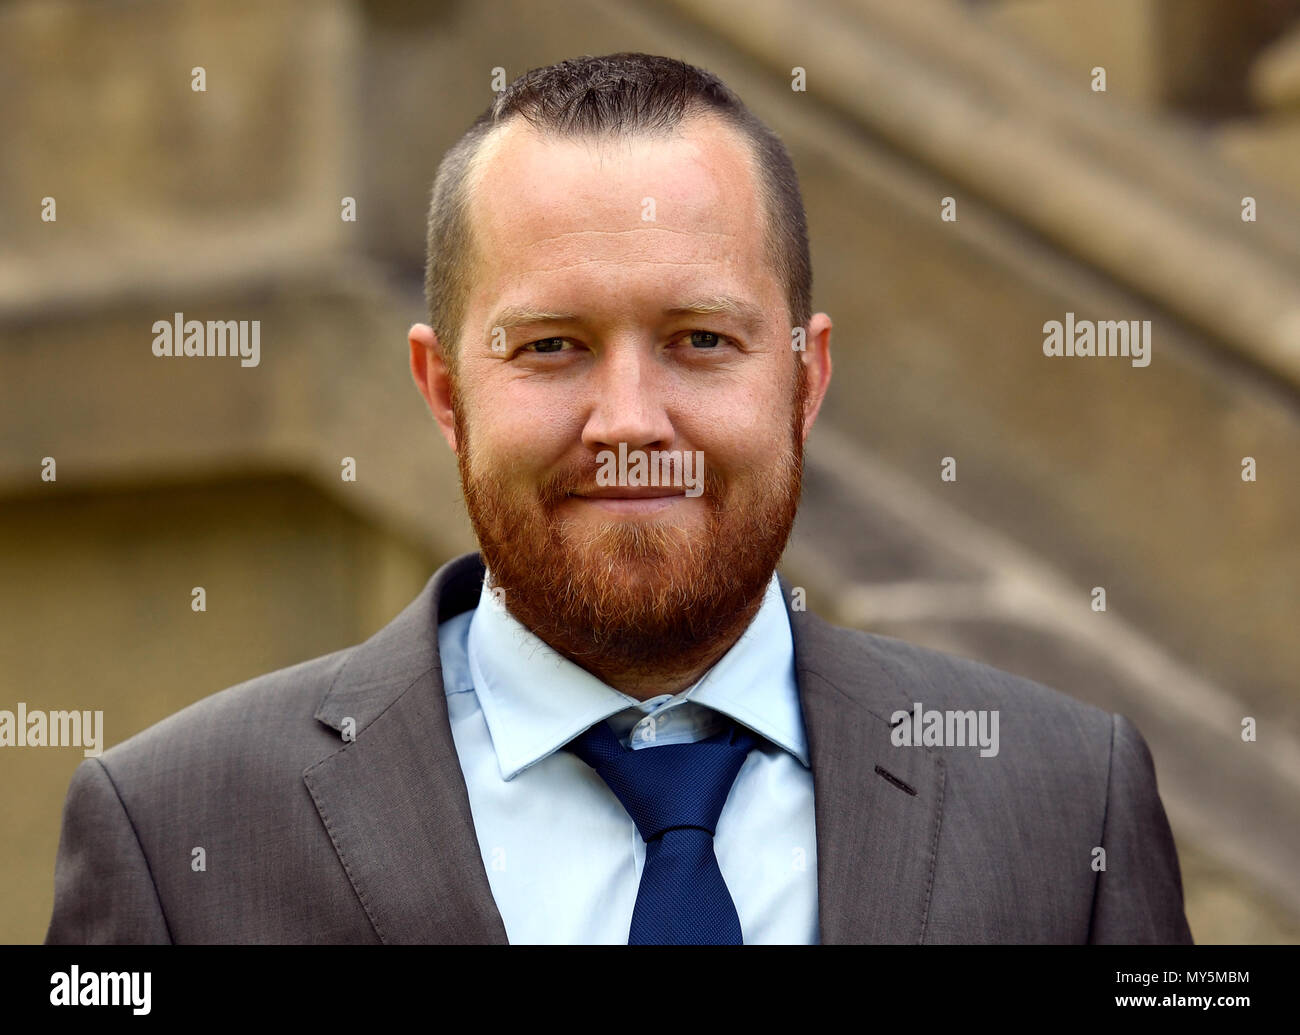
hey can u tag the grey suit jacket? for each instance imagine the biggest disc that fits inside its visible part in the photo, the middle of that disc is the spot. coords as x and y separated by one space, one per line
309 837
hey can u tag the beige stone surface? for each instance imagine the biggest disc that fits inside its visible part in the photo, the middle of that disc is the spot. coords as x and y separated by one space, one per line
1275 75
1121 36
1267 149
148 175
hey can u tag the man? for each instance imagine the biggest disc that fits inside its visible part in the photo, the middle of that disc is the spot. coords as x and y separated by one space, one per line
612 726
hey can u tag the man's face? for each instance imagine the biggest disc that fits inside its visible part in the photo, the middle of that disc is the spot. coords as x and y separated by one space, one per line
623 296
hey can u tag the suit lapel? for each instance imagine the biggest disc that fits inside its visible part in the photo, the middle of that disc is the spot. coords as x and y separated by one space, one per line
875 839
394 800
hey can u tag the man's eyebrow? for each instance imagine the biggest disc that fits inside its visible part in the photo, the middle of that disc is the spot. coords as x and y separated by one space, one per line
514 315
712 305
716 305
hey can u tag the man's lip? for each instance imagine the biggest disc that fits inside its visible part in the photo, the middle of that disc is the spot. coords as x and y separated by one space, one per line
647 493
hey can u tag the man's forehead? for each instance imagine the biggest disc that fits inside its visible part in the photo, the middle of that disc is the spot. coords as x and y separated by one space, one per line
531 186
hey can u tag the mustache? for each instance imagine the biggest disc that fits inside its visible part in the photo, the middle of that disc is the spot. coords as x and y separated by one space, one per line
578 476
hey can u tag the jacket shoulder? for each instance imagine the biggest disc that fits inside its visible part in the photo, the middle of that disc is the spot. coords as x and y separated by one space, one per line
270 716
945 679
1038 725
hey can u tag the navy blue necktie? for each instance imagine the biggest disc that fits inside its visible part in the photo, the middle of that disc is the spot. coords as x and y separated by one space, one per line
674 794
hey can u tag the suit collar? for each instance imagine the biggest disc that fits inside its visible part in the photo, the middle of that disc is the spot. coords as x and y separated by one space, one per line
396 807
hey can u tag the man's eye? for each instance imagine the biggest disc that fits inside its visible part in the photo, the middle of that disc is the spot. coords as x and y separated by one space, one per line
546 345
704 339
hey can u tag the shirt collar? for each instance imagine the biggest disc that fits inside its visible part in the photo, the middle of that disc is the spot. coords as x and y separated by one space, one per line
535 700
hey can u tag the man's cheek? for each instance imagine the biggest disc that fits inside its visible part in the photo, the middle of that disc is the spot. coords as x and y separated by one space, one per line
744 446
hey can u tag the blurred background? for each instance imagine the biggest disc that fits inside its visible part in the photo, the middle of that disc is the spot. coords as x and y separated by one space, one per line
1128 203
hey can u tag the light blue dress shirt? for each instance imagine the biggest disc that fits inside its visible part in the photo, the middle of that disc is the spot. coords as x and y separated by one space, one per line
563 857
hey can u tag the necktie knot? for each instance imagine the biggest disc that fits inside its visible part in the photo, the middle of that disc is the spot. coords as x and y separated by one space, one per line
671 785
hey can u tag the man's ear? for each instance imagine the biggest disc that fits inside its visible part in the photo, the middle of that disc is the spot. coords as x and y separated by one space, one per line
816 359
432 378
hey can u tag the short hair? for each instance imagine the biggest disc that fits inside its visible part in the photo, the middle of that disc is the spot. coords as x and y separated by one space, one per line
610 95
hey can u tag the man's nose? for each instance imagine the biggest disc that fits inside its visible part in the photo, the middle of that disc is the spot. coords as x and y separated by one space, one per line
629 404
